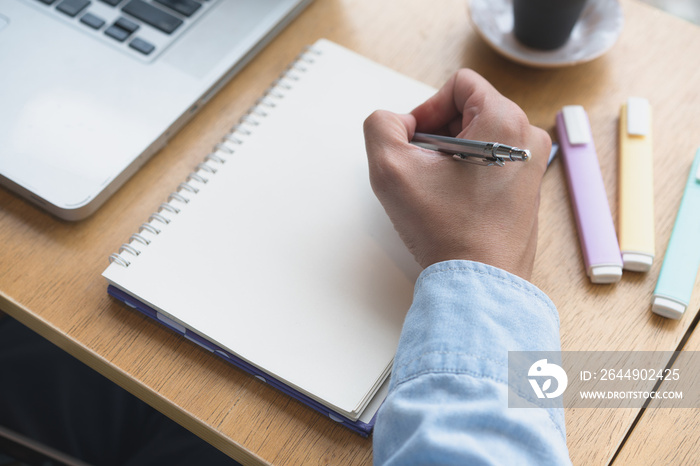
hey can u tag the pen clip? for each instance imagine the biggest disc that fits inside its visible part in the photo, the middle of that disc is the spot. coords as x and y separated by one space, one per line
499 154
478 159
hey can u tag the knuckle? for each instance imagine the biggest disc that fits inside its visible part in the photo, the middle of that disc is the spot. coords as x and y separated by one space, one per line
372 120
386 173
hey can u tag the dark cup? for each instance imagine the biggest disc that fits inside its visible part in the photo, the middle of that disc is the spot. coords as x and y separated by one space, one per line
545 24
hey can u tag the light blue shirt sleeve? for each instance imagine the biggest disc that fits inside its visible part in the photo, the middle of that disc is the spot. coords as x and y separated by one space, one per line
448 398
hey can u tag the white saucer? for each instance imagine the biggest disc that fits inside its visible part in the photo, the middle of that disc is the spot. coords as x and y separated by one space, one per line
596 31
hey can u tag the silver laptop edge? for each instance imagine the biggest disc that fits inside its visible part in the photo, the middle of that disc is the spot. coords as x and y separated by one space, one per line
104 148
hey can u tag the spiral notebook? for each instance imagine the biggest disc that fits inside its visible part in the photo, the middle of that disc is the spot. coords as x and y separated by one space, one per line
275 254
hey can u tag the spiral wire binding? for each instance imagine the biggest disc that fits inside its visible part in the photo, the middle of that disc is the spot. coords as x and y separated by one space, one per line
211 164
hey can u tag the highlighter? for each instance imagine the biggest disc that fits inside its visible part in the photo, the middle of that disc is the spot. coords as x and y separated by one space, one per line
636 189
596 230
682 259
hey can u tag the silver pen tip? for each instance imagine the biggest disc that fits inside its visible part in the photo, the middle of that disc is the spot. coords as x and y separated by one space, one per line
521 154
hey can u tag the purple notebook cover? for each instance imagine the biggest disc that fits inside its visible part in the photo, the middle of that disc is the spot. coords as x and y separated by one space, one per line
358 426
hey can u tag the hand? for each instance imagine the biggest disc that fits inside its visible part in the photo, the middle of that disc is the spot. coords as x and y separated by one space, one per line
445 209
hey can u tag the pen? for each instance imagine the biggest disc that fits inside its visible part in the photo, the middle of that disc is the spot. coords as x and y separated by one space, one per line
479 152
596 230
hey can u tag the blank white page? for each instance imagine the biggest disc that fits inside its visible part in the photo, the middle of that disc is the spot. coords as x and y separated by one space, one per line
285 257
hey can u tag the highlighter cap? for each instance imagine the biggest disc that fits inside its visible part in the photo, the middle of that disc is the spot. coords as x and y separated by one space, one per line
638 117
667 307
637 261
605 274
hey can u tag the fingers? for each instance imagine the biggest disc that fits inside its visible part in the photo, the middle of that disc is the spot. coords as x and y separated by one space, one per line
459 99
383 127
540 148
387 137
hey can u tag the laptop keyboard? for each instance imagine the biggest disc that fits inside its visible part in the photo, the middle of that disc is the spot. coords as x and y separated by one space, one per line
139 26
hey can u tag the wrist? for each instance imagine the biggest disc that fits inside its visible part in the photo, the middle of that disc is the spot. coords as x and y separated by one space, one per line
519 264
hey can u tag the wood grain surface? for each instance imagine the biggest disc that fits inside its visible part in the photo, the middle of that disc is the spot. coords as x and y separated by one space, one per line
668 434
50 269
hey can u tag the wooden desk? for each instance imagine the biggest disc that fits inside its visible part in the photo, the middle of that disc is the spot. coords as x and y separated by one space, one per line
50 270
666 435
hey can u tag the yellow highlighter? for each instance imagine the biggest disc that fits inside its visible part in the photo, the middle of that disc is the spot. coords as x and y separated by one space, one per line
636 189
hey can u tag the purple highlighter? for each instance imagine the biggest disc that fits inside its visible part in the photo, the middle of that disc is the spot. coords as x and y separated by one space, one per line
596 230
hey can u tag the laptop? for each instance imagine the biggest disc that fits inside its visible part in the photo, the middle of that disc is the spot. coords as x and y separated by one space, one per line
91 89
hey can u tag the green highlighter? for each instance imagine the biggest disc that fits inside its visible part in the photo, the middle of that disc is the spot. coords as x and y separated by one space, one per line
680 267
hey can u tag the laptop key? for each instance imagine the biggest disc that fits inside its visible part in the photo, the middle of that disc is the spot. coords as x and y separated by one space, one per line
184 7
142 46
93 21
112 2
48 2
151 15
72 7
128 26
117 33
